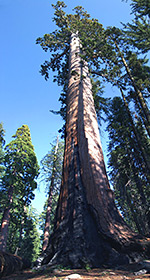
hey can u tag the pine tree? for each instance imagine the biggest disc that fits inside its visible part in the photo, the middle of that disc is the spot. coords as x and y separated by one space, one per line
138 31
30 244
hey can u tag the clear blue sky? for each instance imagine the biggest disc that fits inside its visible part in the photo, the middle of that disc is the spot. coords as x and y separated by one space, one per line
25 96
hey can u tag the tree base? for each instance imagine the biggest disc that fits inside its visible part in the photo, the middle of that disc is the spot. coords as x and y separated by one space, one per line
79 238
78 246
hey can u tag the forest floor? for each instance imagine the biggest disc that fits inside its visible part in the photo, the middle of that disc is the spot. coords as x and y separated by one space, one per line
90 274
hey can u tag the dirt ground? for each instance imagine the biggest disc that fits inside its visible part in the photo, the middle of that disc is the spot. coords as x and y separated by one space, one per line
91 274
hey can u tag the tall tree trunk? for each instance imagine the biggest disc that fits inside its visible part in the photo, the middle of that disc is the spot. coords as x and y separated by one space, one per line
21 227
140 145
49 204
142 213
5 221
88 227
138 94
132 209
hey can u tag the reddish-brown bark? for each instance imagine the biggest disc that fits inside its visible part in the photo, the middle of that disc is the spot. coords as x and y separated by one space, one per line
89 228
82 132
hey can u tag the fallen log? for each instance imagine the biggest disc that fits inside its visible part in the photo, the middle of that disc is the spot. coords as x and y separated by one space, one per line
10 263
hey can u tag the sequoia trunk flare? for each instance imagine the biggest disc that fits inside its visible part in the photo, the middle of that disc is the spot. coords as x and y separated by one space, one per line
88 227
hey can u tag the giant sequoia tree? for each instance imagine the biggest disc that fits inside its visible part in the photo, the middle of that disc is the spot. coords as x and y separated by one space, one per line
18 182
88 227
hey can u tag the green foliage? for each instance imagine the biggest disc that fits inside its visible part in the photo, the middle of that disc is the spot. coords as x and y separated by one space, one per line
2 142
51 172
24 237
141 72
138 31
141 7
108 52
47 165
21 171
124 69
129 174
42 216
101 103
30 245
2 168
21 166
2 134
58 42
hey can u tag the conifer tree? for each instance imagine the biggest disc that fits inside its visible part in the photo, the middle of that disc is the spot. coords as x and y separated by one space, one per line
129 174
24 238
19 180
51 173
138 31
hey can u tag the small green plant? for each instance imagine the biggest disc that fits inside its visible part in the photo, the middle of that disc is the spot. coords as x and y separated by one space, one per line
87 267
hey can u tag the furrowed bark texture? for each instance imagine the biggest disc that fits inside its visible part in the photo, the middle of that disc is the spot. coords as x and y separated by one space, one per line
88 228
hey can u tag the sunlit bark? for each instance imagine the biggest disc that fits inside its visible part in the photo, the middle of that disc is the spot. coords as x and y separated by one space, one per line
88 225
